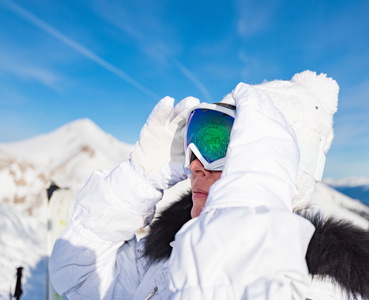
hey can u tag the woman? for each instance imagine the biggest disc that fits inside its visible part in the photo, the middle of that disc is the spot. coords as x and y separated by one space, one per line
240 240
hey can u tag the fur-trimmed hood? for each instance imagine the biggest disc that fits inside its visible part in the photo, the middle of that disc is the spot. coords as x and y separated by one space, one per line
338 250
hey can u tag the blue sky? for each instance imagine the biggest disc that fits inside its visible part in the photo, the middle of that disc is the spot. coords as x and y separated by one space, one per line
111 61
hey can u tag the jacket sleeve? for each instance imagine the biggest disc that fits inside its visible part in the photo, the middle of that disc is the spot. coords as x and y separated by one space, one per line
247 243
110 208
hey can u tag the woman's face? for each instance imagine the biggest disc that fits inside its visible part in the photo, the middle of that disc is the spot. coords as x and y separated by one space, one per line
201 181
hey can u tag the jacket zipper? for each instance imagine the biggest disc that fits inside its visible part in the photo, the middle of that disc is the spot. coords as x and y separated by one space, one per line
152 293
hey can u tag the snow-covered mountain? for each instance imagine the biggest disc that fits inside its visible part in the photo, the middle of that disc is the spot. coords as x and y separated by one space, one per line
67 156
360 192
22 184
356 188
334 203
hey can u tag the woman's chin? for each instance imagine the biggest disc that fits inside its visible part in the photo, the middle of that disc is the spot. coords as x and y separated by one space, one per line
197 208
195 212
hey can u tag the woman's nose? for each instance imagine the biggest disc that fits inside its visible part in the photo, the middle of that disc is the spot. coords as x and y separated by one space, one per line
198 169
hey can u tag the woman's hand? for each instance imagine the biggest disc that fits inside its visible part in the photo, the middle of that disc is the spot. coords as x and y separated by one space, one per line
160 151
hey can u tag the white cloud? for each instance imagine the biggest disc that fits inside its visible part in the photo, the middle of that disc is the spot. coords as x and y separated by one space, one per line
253 69
350 181
248 26
158 40
16 66
26 15
194 80
254 16
143 22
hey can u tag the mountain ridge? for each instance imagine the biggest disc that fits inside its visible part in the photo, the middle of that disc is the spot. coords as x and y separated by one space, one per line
66 156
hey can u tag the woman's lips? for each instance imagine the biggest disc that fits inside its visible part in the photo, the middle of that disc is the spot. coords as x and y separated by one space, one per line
199 194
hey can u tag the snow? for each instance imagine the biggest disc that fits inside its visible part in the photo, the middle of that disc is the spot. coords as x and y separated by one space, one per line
67 156
334 203
348 182
356 188
22 243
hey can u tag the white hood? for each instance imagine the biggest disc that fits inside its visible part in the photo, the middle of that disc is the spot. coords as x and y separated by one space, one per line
308 102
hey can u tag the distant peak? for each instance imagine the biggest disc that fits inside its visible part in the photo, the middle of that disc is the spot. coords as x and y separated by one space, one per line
81 123
347 182
84 125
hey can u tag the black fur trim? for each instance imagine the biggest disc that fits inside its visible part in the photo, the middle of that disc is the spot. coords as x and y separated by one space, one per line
338 250
164 228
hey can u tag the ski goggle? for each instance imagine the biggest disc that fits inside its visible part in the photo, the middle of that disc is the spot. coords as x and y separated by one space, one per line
207 135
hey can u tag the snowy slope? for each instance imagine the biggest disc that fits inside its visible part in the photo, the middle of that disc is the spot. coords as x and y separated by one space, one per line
360 192
22 243
334 203
22 184
67 156
356 188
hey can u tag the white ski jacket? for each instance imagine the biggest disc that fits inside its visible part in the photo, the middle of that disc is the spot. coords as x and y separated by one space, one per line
97 256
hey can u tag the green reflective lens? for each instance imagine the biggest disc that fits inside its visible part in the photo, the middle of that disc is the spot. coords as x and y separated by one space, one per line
210 131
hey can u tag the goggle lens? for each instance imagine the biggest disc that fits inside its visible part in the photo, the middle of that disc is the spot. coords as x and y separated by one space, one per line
210 132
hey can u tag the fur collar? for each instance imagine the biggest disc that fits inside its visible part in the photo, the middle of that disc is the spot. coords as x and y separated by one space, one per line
338 250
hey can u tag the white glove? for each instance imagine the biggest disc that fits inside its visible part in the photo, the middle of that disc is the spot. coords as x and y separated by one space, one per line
263 156
262 130
160 150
